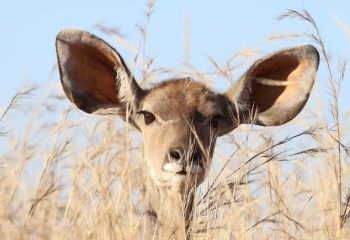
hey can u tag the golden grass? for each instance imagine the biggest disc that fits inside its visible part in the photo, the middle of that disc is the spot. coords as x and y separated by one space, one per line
66 175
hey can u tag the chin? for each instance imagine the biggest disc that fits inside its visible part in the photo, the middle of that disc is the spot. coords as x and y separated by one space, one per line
178 182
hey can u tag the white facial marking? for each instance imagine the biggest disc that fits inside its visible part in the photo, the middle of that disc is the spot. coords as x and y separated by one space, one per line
169 122
172 167
175 168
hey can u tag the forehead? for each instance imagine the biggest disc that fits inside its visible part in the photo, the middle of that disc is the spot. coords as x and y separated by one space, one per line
181 96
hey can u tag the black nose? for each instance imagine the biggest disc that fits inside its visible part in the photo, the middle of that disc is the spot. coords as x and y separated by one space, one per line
175 154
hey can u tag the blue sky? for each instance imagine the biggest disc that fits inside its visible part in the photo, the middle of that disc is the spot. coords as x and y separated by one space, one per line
217 28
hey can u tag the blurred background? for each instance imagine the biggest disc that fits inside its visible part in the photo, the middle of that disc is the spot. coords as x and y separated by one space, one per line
216 29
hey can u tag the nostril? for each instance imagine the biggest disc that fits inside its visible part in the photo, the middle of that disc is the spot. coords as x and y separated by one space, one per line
175 154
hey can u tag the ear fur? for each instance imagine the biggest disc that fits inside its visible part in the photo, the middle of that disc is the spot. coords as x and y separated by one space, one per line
275 88
93 74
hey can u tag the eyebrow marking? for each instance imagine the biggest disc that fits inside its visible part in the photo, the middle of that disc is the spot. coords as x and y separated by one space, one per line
168 122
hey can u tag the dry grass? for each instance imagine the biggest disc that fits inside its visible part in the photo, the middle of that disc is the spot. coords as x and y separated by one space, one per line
65 175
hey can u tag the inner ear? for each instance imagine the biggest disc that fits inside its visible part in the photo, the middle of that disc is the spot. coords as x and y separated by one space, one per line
276 87
270 81
93 75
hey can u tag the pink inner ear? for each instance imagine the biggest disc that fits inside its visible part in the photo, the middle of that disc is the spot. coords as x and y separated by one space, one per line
280 68
92 72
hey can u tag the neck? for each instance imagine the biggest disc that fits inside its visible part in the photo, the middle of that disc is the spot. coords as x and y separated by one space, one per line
168 212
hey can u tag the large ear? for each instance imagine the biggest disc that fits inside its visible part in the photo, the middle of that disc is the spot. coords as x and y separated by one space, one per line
93 74
275 89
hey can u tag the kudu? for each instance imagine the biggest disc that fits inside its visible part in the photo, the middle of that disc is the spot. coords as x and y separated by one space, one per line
180 119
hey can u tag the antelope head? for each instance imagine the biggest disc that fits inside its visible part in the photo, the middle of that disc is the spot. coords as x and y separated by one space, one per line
180 119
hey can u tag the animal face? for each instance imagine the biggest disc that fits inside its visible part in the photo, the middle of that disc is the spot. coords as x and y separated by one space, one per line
181 119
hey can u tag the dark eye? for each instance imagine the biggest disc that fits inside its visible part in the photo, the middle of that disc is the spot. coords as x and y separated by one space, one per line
148 117
215 121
